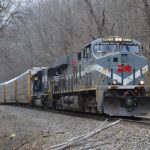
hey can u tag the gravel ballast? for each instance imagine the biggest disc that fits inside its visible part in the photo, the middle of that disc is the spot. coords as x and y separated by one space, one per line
22 128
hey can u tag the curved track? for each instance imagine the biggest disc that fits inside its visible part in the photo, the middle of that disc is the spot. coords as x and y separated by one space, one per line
140 121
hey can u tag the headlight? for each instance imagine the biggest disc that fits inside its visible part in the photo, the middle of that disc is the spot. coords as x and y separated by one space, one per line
141 82
118 39
114 82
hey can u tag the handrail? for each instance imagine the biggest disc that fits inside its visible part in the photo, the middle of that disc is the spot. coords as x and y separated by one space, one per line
148 80
102 77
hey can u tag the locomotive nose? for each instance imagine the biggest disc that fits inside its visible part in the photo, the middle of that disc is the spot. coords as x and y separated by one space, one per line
127 68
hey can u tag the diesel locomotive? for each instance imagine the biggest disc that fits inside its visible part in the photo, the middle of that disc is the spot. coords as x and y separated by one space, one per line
109 75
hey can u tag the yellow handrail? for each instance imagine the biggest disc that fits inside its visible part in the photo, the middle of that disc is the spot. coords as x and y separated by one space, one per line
98 83
148 79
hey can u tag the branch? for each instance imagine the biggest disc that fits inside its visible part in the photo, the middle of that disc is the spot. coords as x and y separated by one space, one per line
7 21
99 28
83 137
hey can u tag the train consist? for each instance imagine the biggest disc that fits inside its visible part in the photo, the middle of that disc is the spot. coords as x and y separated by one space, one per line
109 75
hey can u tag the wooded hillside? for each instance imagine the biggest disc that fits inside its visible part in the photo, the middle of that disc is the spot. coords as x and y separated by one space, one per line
36 33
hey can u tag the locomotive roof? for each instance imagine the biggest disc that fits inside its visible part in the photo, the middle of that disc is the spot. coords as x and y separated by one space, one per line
64 60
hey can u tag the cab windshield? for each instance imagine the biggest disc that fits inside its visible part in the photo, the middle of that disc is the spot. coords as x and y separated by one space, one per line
101 48
130 48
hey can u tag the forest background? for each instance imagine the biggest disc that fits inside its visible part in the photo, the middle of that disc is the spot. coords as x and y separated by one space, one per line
38 32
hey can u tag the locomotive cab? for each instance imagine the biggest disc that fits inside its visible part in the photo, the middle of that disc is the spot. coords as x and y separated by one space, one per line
124 89
40 82
40 87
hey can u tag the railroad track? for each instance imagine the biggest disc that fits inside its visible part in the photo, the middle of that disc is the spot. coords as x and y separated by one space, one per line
144 122
141 121
138 120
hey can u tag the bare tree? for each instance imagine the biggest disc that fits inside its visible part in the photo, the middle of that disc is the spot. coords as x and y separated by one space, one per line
146 4
40 32
100 25
8 10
